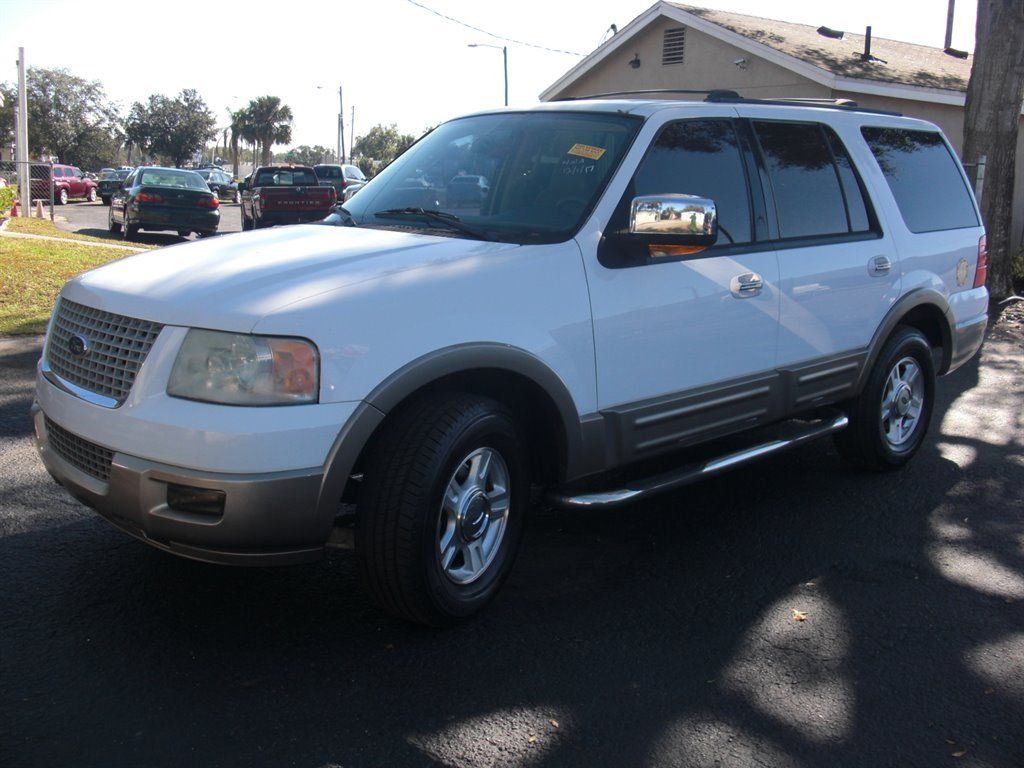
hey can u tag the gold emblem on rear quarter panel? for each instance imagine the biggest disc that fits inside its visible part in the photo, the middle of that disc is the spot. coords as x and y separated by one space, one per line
961 271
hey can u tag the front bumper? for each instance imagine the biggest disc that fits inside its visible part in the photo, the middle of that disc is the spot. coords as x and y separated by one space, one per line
267 519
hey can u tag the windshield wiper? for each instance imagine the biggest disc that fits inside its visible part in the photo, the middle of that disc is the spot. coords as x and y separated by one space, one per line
449 220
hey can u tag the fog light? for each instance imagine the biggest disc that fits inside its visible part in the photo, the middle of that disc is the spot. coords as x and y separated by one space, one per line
196 501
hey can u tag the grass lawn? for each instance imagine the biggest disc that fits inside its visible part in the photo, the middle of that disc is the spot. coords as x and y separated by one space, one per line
32 273
46 227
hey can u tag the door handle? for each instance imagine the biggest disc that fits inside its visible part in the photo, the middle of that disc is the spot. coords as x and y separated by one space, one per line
880 265
747 285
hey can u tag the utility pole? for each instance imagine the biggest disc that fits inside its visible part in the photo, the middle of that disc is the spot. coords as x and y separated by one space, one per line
949 25
341 127
352 131
21 134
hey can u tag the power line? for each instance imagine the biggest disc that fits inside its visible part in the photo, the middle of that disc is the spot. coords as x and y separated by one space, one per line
491 34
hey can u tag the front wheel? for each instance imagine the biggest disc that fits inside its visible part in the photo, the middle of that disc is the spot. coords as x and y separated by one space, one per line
889 419
91 197
441 516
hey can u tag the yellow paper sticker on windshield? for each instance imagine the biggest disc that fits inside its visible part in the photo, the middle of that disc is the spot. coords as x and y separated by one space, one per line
584 150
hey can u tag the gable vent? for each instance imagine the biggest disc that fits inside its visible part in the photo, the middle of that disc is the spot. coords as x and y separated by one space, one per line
672 46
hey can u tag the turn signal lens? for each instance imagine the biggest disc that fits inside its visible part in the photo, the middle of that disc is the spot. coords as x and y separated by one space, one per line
148 197
981 271
208 202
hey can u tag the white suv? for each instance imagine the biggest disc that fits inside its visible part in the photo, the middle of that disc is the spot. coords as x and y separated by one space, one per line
699 282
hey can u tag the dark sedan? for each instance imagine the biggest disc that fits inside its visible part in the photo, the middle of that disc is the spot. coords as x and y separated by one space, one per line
164 198
220 183
110 181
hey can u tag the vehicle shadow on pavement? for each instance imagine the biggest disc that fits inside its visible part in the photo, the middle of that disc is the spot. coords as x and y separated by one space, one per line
797 612
145 238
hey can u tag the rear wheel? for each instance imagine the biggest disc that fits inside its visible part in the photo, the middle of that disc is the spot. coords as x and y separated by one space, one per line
111 224
91 197
441 516
246 223
889 419
105 199
183 233
62 197
130 231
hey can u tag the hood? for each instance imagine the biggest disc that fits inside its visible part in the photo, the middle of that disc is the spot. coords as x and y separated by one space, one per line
230 282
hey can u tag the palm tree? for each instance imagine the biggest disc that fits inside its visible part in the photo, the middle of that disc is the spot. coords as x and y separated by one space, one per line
271 123
242 130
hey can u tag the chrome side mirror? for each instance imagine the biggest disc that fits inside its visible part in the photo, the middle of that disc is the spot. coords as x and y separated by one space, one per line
681 220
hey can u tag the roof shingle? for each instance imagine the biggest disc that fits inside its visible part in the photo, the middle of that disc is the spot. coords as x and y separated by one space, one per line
904 63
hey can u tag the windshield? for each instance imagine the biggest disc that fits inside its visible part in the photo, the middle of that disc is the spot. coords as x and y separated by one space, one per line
281 177
328 171
521 177
114 175
204 174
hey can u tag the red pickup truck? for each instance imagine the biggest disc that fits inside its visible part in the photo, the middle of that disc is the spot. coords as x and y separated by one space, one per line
284 194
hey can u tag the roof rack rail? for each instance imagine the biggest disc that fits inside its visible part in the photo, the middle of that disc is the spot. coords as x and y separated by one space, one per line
725 96
708 92
847 105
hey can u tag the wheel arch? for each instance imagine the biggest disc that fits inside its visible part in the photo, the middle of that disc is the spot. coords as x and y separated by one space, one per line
925 309
511 375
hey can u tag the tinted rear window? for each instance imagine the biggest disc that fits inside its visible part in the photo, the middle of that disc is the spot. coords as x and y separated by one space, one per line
165 177
280 177
923 176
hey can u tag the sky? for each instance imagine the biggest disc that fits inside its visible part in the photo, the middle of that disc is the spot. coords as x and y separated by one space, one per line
396 62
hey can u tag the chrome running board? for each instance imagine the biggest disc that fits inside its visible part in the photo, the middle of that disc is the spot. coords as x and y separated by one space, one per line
689 473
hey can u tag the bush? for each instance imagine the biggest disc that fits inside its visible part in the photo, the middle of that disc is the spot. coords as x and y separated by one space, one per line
6 199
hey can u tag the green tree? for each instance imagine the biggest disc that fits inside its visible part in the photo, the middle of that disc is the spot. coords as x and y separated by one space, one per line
68 117
173 129
271 123
307 155
380 145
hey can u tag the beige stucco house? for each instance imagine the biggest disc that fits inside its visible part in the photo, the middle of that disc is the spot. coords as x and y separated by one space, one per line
679 46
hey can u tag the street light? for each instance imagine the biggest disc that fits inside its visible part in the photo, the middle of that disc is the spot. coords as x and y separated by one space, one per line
504 54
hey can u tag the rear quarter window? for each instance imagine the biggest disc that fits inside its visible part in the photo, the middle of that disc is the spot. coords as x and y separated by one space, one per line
924 178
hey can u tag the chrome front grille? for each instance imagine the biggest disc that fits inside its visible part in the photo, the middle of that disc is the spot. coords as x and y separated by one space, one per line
78 452
115 347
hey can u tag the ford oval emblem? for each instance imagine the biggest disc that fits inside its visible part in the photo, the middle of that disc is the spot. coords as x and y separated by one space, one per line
78 345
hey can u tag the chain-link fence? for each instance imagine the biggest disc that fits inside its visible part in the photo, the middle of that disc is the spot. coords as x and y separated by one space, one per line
40 181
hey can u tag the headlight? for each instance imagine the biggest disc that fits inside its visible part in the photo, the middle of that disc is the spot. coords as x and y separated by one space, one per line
239 369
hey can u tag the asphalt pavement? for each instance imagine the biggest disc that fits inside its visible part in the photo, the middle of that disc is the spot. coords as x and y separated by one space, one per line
797 612
91 219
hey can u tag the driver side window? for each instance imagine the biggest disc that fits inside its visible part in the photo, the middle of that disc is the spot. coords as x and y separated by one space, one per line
696 157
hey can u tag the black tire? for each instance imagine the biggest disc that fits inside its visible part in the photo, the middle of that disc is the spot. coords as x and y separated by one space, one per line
131 231
62 197
91 195
864 441
397 521
246 223
183 233
206 234
105 199
112 225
